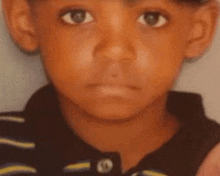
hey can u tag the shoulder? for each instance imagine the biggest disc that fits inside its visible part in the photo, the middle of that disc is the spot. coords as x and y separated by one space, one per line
21 134
206 160
200 135
16 144
211 164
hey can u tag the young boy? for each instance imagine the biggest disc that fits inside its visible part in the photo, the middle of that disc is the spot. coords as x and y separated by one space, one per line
108 110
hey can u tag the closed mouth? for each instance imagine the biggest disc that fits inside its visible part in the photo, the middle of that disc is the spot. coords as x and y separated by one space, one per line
113 90
113 86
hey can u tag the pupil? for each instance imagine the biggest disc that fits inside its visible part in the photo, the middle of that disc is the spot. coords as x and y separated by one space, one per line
151 18
78 16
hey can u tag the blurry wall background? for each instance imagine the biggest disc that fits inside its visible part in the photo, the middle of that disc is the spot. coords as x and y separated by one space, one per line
21 75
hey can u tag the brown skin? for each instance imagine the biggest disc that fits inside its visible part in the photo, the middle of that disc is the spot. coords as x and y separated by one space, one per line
112 73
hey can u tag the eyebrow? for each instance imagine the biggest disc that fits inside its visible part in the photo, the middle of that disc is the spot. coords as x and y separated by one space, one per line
132 2
126 2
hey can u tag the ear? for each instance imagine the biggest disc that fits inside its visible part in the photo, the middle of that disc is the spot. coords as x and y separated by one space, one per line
20 23
203 29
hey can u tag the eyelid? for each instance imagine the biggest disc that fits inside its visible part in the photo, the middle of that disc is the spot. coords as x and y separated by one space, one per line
153 9
74 7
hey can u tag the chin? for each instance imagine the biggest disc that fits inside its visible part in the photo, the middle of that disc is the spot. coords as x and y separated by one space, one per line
114 113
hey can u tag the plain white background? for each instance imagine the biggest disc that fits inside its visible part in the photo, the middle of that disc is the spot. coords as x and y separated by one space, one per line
22 75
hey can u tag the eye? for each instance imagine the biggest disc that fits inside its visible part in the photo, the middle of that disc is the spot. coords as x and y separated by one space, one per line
77 17
153 19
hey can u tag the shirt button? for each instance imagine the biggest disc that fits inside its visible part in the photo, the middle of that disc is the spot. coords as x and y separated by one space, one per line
104 166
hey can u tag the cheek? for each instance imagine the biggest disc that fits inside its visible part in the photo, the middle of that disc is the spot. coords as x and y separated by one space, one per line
159 61
67 59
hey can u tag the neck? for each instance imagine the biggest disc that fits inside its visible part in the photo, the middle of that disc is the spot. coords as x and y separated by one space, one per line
154 125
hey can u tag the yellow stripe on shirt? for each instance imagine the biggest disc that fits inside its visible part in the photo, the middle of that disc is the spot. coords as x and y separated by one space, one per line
153 173
77 167
15 169
19 144
12 119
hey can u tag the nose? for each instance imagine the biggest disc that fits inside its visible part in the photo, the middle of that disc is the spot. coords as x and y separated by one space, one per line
116 45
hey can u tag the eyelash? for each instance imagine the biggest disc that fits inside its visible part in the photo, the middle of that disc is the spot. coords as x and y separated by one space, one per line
67 18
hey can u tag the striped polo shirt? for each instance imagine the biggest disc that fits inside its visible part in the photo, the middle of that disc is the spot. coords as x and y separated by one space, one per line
38 142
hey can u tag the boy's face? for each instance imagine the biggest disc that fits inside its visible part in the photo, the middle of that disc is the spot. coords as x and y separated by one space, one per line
112 58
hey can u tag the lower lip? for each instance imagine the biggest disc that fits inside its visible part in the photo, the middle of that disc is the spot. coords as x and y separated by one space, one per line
107 90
